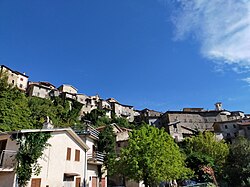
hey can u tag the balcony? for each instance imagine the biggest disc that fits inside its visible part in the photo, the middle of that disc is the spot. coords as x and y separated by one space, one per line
96 158
88 131
7 160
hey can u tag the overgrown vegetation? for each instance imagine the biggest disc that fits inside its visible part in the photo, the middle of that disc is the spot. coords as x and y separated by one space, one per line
31 147
98 118
18 111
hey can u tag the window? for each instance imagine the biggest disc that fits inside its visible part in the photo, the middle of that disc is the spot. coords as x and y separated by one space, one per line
35 182
68 153
13 82
226 127
234 125
21 79
118 144
77 155
248 128
21 85
67 177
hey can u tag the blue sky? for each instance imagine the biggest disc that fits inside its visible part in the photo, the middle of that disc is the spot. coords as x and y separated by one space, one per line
163 55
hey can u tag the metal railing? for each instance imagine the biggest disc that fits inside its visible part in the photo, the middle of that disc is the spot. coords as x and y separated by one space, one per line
96 156
7 159
89 130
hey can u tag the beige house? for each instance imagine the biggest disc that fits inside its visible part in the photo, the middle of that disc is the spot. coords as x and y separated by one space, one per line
231 129
121 110
40 89
67 88
96 173
15 78
106 106
63 163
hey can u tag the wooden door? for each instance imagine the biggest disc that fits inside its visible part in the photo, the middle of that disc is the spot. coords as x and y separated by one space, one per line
94 181
103 182
35 182
78 182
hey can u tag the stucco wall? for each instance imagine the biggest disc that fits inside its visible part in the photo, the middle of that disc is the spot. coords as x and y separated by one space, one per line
54 163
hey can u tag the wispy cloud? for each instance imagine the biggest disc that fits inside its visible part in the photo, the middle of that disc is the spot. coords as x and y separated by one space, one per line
221 26
247 80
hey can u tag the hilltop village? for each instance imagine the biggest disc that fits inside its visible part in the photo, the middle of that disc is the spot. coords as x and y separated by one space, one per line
73 158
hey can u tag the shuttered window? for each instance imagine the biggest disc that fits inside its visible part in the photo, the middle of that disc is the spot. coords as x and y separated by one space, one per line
68 153
77 155
35 182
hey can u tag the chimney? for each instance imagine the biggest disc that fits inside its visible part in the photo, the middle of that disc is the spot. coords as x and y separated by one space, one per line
218 106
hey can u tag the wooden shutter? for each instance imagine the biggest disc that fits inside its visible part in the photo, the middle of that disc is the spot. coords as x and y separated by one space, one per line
68 153
35 182
78 182
77 155
94 181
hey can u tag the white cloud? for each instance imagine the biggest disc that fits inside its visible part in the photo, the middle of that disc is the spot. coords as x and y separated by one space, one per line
247 80
221 26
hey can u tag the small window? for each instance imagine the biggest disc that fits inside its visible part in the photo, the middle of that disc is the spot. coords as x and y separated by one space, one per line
21 79
67 177
13 82
248 128
234 125
21 85
226 127
118 144
77 155
68 153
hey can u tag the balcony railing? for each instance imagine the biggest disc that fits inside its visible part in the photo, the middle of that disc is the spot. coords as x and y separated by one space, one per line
96 157
7 159
89 130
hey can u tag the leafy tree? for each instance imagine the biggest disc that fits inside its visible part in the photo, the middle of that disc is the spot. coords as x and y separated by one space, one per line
94 116
205 150
31 146
106 144
238 163
62 113
152 156
122 122
14 110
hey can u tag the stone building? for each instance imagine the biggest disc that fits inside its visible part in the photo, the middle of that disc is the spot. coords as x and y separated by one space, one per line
121 110
181 124
40 89
148 116
15 78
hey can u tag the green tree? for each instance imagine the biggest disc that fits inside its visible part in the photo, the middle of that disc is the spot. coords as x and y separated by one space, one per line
106 144
14 110
205 150
31 146
62 113
152 156
238 163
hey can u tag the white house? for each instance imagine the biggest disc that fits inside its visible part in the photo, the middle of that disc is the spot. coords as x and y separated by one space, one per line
63 162
96 172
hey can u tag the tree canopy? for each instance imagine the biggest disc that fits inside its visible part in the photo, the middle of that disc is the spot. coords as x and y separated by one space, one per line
152 156
238 163
205 150
106 144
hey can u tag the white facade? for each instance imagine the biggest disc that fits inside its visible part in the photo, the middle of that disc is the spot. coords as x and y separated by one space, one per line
60 167
67 88
15 78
